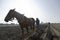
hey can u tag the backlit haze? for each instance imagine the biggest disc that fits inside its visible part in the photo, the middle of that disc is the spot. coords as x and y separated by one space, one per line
45 10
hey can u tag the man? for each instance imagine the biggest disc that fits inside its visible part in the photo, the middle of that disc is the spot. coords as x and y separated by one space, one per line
37 21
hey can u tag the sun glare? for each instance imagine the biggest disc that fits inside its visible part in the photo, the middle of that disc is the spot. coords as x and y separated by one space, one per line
27 7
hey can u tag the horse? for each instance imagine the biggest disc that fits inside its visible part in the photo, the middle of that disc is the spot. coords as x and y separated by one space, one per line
23 21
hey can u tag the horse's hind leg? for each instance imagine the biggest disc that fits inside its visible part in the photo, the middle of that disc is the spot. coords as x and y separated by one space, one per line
33 27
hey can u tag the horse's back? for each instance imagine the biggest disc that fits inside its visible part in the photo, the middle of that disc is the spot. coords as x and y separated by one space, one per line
28 22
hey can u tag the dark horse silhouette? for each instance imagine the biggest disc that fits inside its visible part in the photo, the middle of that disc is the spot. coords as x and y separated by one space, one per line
23 21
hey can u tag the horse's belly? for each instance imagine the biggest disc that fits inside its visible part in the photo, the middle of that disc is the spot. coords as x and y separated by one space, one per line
26 24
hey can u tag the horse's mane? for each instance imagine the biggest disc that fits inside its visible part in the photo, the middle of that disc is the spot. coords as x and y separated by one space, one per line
20 14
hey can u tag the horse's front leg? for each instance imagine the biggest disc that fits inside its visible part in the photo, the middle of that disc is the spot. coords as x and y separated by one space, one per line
22 30
27 29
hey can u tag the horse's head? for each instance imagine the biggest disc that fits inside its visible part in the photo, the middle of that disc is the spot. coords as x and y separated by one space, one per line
10 15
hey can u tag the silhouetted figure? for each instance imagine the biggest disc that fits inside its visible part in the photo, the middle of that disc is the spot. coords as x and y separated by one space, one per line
37 21
37 25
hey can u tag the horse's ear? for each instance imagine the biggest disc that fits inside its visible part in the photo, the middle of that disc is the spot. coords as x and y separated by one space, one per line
14 9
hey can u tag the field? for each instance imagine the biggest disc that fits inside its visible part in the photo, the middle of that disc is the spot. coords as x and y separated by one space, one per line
55 29
9 32
13 31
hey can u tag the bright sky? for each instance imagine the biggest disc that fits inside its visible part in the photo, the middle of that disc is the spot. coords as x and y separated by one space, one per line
45 10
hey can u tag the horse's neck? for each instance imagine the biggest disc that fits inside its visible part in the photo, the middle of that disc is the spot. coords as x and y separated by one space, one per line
19 17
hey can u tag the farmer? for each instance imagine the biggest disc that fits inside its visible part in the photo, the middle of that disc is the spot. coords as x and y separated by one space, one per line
37 21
